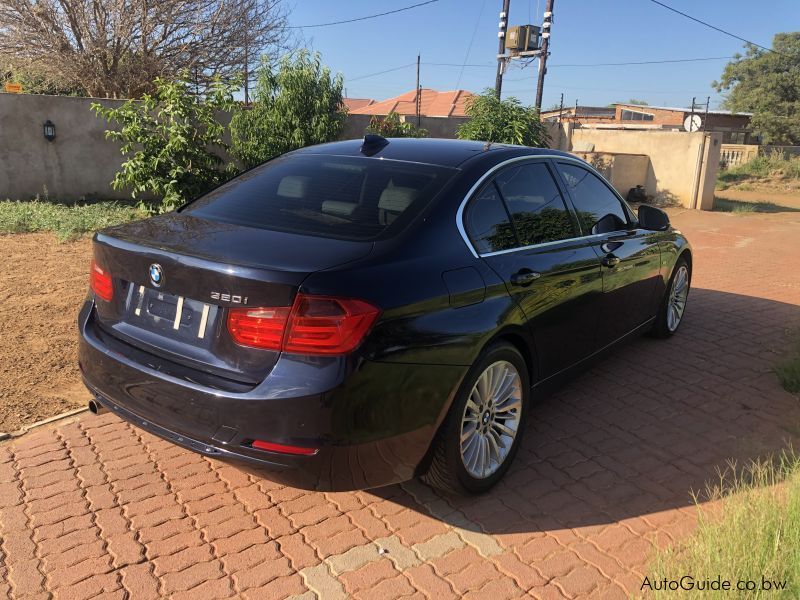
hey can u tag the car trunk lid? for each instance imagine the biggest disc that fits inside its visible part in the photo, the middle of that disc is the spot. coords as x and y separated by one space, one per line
175 277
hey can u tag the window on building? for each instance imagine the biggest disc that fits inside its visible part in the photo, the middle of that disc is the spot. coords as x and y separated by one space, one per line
635 115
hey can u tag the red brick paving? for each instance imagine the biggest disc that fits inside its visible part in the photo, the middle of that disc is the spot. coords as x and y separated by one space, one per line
96 507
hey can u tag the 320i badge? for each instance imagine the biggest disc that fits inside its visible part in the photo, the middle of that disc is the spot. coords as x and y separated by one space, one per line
359 313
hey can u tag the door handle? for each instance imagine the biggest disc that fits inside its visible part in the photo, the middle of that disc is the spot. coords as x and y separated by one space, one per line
524 277
609 260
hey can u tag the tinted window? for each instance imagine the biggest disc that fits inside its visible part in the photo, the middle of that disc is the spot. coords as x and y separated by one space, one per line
535 204
487 222
346 197
599 210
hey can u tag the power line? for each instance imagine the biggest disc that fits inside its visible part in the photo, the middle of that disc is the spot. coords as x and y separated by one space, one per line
471 40
644 62
609 64
383 14
349 79
728 33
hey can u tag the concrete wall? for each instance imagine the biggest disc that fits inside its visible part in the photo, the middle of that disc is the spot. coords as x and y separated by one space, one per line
79 163
683 166
623 171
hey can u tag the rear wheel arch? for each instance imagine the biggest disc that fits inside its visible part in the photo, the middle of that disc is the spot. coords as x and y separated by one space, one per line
525 346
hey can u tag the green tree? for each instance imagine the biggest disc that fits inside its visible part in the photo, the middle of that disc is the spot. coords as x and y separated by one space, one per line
768 85
503 121
392 126
297 105
172 142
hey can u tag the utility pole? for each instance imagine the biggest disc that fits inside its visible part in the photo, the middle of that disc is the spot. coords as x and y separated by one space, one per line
419 100
546 22
560 126
501 49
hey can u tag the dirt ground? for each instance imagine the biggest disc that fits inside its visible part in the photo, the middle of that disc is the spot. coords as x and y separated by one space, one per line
42 284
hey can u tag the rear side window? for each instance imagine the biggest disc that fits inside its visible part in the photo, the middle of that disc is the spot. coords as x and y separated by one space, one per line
535 204
487 222
346 197
598 208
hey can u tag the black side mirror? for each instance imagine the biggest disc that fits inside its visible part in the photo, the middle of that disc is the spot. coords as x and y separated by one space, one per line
652 218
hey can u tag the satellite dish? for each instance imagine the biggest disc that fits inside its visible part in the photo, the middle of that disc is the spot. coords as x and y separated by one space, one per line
692 123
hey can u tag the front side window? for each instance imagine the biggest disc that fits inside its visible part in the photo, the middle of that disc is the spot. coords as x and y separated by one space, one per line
598 208
345 197
535 204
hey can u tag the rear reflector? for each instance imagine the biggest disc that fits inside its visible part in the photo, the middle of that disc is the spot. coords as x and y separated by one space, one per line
283 448
101 283
313 325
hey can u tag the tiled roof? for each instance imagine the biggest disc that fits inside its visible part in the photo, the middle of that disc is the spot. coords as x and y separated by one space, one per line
433 104
356 103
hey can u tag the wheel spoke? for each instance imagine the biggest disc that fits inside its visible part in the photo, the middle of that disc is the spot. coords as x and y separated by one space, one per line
503 428
510 405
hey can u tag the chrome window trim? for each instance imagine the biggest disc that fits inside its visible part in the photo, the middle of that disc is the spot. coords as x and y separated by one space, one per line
527 158
545 244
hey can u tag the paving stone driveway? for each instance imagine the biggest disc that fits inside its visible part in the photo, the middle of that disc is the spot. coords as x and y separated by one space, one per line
96 506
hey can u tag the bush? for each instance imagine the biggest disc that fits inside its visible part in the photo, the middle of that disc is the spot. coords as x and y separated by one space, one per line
503 121
66 221
298 105
392 126
172 143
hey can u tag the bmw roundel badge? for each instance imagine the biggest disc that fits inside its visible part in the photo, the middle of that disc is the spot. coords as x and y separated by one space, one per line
156 275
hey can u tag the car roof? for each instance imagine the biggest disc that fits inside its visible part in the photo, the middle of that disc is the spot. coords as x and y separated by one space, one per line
434 151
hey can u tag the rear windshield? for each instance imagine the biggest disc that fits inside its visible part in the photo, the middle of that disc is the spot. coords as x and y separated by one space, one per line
346 197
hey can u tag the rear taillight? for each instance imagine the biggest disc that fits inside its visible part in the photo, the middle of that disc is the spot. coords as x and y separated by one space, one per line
313 325
258 327
101 283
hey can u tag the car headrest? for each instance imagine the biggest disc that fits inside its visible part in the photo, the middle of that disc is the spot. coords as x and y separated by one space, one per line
293 186
396 199
340 209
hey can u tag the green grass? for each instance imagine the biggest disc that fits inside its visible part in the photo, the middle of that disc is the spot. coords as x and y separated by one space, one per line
772 165
749 532
788 370
67 221
741 206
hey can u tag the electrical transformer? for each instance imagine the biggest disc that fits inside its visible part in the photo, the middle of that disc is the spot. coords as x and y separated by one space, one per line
522 38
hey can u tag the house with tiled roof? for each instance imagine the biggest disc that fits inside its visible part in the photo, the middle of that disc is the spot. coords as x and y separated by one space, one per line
432 104
357 103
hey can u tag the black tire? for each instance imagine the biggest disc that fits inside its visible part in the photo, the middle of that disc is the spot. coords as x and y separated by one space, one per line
447 470
661 328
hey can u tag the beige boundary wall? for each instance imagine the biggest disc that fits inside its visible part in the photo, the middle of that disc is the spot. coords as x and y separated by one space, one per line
81 162
682 167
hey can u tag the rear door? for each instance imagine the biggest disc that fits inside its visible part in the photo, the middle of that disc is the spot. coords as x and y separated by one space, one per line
630 256
520 225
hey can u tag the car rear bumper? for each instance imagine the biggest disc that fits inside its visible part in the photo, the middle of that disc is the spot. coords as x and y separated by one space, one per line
371 422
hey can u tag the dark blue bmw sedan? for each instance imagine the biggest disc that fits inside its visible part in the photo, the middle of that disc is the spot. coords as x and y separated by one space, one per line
359 313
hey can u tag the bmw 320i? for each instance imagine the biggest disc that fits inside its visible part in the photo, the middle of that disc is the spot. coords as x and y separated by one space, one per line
359 313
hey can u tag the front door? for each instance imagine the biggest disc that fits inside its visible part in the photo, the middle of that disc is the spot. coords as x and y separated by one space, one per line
521 227
630 256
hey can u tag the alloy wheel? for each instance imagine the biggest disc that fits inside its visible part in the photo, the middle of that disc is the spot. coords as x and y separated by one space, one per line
491 419
677 298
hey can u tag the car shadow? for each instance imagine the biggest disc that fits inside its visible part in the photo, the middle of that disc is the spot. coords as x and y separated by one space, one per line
641 429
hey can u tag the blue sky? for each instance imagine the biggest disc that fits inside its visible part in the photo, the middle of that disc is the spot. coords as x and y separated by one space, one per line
584 31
